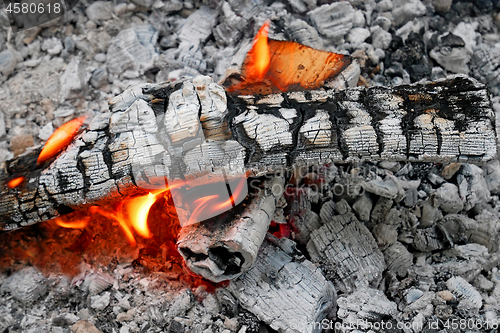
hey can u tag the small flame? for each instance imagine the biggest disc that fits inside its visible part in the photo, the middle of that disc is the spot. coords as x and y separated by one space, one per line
132 214
200 205
13 183
60 139
273 66
260 55
138 210
118 216
204 211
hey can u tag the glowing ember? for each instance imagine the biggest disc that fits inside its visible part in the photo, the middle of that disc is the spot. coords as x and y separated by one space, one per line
60 246
13 183
78 224
259 55
273 66
118 214
60 139
132 213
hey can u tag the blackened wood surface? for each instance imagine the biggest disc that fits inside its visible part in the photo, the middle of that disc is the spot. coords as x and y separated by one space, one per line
437 122
193 131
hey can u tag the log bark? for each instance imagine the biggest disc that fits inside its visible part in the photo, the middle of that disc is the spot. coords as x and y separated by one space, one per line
284 290
222 250
193 131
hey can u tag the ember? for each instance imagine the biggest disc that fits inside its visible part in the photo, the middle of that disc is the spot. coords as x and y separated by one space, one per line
60 139
15 182
278 66
67 243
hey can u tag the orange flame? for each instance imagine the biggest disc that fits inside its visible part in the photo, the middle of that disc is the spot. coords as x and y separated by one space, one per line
138 210
13 183
203 211
273 66
118 216
60 139
132 213
260 56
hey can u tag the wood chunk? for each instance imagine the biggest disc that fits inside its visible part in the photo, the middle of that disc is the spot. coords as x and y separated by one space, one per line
333 20
132 49
27 285
348 251
398 259
484 66
363 306
465 291
459 228
304 223
427 240
292 66
224 251
284 290
472 186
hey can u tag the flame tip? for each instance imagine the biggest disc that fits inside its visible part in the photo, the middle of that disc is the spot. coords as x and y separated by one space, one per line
60 139
261 56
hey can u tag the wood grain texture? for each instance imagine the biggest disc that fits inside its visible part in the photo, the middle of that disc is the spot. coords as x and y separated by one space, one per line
347 250
284 290
193 131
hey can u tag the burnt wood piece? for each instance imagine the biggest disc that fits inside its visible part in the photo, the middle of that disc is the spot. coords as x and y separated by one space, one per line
222 250
193 131
347 251
284 290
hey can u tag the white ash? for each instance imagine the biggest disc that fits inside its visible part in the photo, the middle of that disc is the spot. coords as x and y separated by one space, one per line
432 236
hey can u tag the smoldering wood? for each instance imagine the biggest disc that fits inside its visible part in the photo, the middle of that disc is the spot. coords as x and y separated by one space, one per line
284 290
193 131
222 250
347 251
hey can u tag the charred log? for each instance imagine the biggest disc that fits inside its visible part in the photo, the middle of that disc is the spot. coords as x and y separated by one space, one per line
347 250
192 131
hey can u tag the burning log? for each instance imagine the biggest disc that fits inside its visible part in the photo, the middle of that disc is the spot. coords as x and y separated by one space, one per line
222 250
192 132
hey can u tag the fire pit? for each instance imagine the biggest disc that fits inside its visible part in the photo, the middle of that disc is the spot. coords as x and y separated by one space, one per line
298 195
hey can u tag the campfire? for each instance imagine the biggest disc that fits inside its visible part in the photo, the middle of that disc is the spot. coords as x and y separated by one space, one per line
238 190
263 72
